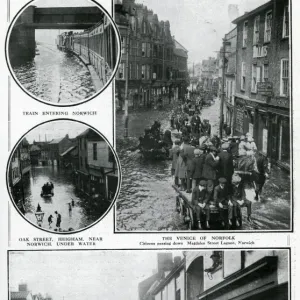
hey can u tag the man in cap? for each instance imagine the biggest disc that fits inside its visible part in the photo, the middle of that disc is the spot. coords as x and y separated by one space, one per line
234 147
197 167
211 165
174 153
200 203
187 154
223 201
195 122
226 168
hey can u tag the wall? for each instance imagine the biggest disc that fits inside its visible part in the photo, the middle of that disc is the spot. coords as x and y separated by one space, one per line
102 155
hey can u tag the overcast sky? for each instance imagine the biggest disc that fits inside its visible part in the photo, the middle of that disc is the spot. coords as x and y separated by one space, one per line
200 25
85 275
62 3
54 130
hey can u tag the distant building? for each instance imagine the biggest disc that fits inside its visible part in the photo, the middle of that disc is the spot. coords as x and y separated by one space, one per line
57 147
21 294
210 74
262 97
157 63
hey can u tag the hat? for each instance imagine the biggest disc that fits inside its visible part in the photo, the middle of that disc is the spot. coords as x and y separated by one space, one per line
225 139
202 183
213 148
197 152
203 147
250 139
225 146
222 180
242 138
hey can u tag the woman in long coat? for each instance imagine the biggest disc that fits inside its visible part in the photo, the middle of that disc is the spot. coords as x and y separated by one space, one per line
180 171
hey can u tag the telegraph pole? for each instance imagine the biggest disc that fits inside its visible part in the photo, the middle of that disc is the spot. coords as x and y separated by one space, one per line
222 88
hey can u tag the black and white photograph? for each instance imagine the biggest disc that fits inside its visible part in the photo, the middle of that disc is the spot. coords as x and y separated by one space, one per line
203 121
62 52
63 176
260 274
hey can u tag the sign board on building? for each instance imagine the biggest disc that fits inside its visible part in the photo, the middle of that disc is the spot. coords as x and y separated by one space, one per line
260 51
265 88
239 124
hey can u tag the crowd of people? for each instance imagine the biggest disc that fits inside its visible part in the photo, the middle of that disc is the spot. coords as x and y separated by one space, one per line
204 165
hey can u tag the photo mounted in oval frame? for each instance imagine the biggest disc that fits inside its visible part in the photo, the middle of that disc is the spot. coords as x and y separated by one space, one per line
65 53
63 176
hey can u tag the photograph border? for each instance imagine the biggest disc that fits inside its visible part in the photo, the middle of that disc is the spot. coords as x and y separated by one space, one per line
291 173
118 38
113 201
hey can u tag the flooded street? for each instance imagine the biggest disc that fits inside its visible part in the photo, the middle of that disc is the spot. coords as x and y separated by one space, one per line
55 76
64 192
147 199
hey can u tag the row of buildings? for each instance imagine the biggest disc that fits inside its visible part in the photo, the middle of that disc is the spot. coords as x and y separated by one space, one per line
219 275
256 66
153 65
88 157
24 294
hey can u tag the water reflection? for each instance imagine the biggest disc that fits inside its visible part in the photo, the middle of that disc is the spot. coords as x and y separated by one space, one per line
55 76
64 193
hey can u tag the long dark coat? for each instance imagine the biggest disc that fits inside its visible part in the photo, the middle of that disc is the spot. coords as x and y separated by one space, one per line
210 168
226 165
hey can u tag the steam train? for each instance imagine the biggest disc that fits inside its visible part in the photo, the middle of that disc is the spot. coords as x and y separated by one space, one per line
96 46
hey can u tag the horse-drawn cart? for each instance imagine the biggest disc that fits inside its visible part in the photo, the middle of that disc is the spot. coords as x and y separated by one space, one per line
185 208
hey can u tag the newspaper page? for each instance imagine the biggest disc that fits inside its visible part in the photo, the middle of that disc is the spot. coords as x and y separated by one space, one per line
148 150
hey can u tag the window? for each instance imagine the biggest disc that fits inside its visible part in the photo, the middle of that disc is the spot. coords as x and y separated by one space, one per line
243 77
149 50
137 71
81 163
144 49
121 71
133 24
284 78
286 20
265 73
144 28
245 34
143 71
94 151
268 26
155 51
256 77
256 30
130 71
123 44
147 72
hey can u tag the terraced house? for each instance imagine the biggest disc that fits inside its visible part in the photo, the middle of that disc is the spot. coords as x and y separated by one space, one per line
262 95
153 65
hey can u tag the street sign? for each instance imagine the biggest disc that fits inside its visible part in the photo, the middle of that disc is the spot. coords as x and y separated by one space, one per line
265 88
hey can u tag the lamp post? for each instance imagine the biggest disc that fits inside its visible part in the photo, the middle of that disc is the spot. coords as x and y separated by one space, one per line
39 214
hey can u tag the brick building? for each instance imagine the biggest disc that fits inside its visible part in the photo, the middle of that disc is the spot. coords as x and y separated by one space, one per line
157 63
262 98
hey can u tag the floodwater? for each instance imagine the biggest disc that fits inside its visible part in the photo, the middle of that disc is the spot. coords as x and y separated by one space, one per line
147 199
77 218
55 76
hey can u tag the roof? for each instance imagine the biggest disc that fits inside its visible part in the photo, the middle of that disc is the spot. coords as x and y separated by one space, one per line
19 295
56 141
252 12
91 135
35 148
68 150
179 50
146 284
171 274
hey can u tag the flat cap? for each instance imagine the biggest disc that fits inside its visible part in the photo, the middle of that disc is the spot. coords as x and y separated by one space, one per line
222 180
